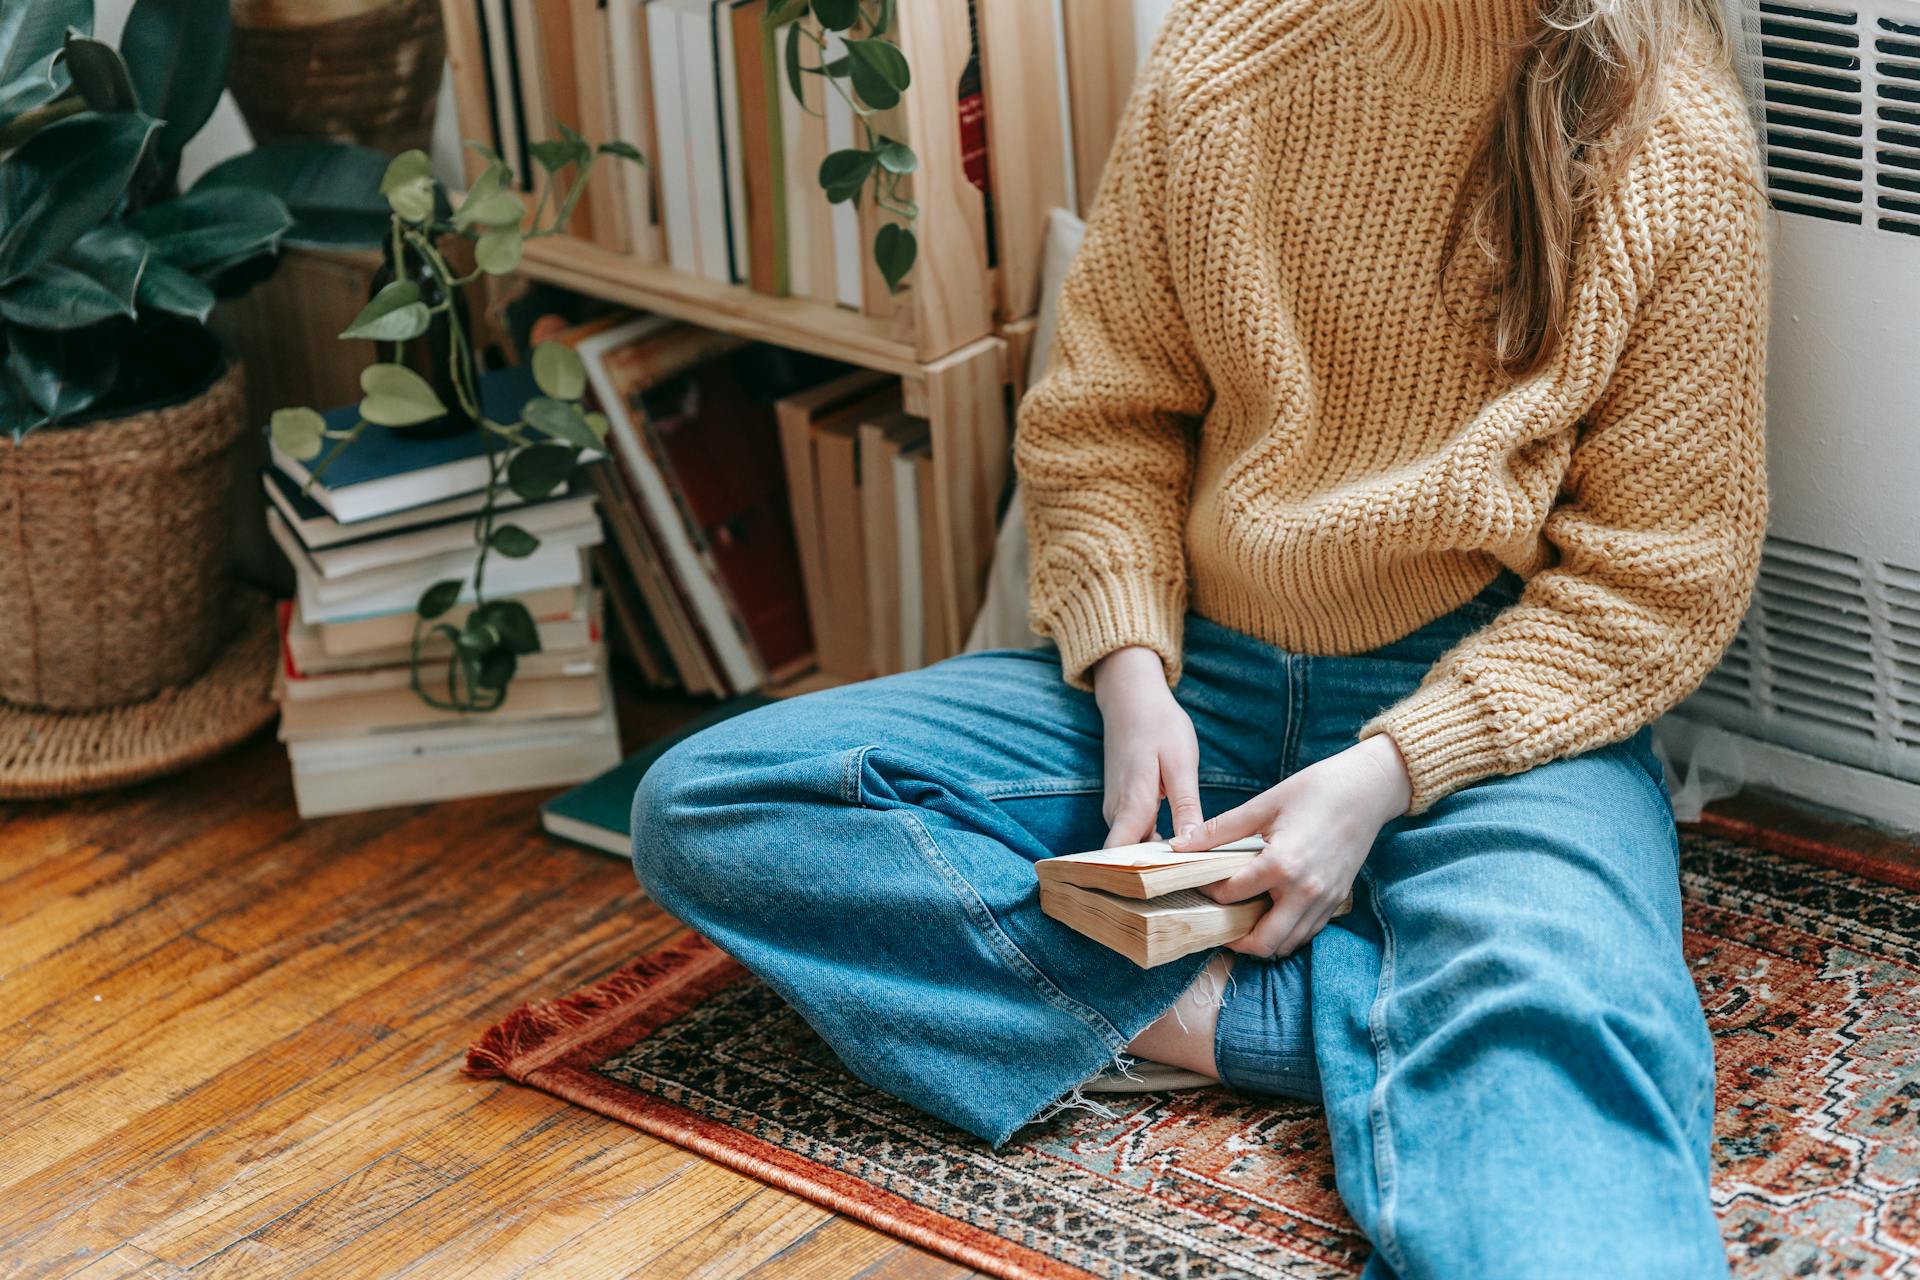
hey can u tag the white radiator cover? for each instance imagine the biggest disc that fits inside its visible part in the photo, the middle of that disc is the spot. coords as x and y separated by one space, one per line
1827 665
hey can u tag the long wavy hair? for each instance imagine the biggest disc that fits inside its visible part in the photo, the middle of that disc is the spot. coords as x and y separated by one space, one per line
1585 87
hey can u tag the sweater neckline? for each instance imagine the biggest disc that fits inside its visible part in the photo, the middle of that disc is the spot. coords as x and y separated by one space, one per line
1459 49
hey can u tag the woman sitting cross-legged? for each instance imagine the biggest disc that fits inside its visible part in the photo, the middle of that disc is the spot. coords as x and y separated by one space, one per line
1399 462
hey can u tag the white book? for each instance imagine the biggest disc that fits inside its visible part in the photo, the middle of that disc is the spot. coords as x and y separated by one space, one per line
695 571
555 566
673 166
445 538
399 675
703 133
322 530
798 186
732 143
633 116
452 770
505 92
397 581
906 520
846 219
405 492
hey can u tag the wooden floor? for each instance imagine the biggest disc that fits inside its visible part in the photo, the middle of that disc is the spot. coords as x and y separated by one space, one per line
230 1041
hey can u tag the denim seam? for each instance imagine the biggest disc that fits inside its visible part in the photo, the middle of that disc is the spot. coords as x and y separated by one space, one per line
996 937
1023 788
1383 1168
1296 713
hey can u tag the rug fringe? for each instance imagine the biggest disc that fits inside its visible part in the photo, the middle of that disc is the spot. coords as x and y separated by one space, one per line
535 1024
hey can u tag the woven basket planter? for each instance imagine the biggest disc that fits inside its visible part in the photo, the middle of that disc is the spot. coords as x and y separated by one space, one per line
113 551
365 71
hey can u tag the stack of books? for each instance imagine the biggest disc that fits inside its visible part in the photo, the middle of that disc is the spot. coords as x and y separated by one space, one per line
860 471
732 190
389 518
1144 900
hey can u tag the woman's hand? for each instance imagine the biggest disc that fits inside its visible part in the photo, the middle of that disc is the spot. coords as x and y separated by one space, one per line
1319 826
1150 748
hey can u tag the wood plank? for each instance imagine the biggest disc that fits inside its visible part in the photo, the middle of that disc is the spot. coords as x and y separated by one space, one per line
839 1248
467 70
951 289
1027 142
1101 58
270 1082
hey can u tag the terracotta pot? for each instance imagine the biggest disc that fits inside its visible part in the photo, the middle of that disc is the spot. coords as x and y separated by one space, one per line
113 550
365 71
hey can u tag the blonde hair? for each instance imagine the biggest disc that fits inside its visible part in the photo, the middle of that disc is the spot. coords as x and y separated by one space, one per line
1585 87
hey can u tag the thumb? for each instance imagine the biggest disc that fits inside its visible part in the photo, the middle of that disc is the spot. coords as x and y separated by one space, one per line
1250 819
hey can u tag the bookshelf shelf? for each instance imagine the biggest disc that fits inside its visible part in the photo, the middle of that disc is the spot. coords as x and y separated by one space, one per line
800 323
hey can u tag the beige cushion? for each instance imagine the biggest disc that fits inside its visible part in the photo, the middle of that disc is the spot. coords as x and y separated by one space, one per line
1002 622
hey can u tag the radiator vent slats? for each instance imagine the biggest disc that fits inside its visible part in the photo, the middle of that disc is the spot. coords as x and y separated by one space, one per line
1827 661
1842 115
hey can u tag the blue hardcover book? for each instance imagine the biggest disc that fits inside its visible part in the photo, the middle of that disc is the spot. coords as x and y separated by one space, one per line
394 470
599 814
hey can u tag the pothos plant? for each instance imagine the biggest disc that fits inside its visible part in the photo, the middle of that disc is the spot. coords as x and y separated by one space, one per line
533 455
852 52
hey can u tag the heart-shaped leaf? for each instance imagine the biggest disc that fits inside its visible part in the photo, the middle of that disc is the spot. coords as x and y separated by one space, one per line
62 183
165 287
844 173
553 154
598 424
625 150
537 470
514 624
513 541
558 371
837 15
440 597
395 314
176 51
894 250
493 671
562 420
211 228
408 186
896 157
298 433
396 396
794 69
880 72
497 251
96 279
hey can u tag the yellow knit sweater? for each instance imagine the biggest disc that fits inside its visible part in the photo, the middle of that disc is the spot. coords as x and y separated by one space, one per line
1259 408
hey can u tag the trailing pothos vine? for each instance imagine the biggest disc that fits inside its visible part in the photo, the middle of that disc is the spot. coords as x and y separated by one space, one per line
533 455
871 75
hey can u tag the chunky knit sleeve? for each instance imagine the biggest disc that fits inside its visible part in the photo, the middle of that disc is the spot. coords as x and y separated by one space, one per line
1657 531
1106 439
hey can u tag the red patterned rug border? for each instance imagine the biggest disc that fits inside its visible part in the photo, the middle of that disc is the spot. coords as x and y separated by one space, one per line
830 1188
1865 865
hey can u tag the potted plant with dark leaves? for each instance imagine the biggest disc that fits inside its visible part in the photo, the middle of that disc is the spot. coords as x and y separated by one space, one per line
119 410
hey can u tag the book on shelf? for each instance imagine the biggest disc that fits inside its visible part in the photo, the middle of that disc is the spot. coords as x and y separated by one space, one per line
893 577
1145 901
599 813
706 520
631 58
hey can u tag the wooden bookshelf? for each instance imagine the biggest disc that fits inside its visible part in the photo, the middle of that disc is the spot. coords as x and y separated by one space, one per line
944 335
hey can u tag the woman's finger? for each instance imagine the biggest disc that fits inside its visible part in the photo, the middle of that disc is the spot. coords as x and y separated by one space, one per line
1265 937
1252 818
1180 776
1133 819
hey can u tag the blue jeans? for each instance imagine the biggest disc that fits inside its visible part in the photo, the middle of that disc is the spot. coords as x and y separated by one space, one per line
1514 1064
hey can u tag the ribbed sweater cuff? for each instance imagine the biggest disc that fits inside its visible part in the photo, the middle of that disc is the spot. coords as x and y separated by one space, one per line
1107 612
1446 737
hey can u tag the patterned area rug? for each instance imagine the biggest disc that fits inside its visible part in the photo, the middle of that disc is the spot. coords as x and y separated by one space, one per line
1810 975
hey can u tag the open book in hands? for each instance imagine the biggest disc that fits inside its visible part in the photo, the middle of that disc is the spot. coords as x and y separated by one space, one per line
1143 900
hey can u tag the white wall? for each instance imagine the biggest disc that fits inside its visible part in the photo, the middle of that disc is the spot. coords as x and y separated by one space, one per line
1146 19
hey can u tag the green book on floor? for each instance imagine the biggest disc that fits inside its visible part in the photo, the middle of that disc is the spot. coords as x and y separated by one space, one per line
599 813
